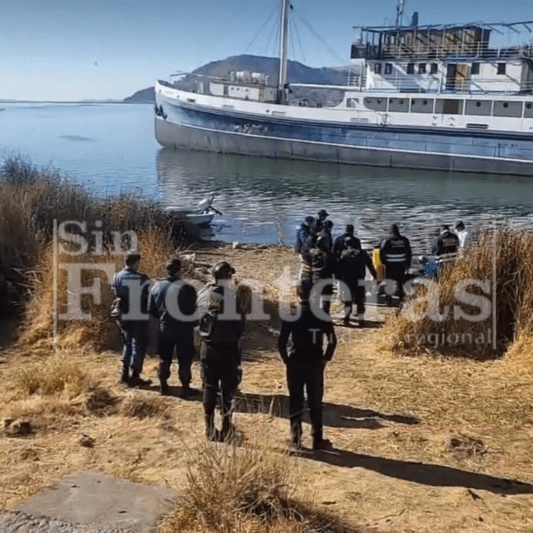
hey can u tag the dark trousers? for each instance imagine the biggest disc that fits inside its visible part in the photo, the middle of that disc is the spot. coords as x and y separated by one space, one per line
135 341
356 295
220 374
309 376
183 345
397 274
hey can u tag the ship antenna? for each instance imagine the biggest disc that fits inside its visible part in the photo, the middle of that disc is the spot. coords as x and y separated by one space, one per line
399 12
283 51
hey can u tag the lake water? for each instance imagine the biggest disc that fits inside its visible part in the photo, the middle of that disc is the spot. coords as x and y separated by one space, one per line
110 148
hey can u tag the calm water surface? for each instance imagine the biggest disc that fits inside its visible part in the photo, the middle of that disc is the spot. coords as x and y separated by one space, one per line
110 148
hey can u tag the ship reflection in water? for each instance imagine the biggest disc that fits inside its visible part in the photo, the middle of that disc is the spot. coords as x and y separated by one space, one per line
264 200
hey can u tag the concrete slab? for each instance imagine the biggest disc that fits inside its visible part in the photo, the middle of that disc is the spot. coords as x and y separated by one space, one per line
103 501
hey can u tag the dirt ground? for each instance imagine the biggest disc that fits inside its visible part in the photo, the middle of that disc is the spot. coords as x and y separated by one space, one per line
419 443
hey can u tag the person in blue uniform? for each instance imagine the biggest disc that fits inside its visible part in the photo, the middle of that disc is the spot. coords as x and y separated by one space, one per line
176 324
305 361
132 288
321 220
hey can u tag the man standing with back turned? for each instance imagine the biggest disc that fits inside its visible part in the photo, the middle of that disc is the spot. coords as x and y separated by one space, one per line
221 326
305 362
173 302
396 255
132 288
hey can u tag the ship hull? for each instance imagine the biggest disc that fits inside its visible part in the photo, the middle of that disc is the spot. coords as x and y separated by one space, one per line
203 128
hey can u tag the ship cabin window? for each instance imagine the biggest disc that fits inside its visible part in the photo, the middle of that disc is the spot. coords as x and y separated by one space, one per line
376 104
447 106
398 105
475 69
434 68
528 110
507 109
422 68
388 68
501 69
377 68
479 107
422 105
410 68
352 102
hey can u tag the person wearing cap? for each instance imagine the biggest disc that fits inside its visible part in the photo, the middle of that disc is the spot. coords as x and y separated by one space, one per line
322 264
305 362
396 255
352 271
463 234
173 302
131 288
306 230
446 246
222 324
321 220
340 242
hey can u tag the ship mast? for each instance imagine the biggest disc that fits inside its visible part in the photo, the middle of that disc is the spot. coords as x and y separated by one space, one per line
283 51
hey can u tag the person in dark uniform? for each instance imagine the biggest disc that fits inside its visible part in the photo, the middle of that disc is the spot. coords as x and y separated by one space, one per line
221 326
340 242
322 264
352 270
445 247
326 233
321 220
395 254
132 289
305 361
175 324
306 230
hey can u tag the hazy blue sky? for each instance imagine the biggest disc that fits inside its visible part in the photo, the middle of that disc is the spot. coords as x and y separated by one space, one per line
81 49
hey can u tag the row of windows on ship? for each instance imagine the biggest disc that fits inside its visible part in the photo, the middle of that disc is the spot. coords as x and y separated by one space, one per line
431 68
447 106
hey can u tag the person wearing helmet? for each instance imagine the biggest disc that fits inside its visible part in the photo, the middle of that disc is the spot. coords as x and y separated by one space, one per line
351 271
221 327
129 285
305 362
175 324
395 255
321 220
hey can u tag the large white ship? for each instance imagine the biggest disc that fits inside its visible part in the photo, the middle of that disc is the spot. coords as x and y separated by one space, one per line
440 97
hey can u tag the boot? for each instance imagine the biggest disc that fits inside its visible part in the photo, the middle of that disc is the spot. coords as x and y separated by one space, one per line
125 376
137 381
186 391
227 428
211 432
318 441
164 389
296 438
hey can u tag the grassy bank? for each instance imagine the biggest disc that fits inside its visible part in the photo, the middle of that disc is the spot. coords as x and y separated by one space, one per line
438 441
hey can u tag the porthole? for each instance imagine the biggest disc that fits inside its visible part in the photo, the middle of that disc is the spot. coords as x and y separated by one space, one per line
379 100
528 106
400 102
425 102
506 104
478 104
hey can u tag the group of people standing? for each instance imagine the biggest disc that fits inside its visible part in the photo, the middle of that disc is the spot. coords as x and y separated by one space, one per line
175 304
345 260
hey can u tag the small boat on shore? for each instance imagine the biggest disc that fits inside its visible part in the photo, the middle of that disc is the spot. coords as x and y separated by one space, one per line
202 216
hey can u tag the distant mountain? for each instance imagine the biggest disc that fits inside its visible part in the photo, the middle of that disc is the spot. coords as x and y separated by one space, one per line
298 73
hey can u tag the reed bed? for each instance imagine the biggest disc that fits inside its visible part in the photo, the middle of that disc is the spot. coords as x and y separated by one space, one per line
495 314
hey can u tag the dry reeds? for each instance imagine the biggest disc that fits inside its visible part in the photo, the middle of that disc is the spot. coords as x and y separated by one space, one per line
249 489
478 306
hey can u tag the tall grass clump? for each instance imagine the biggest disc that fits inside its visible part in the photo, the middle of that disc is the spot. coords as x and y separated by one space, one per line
246 489
503 254
33 199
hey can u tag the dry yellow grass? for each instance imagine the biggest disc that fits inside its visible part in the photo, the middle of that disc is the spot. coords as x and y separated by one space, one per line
421 443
